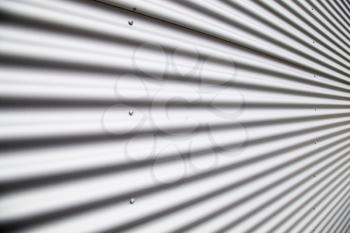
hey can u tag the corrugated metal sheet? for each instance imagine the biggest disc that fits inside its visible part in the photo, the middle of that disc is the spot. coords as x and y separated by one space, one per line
174 116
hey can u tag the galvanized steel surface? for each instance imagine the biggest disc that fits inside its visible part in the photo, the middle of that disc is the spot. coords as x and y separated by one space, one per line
174 116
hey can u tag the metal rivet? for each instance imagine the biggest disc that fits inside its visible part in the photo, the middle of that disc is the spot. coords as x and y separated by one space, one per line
132 201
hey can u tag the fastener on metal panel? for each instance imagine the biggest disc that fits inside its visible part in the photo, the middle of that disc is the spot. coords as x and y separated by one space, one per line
132 201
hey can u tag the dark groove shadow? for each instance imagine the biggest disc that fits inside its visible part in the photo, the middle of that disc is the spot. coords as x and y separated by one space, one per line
65 140
51 27
266 37
76 31
347 7
300 206
339 12
17 61
332 29
93 206
342 220
326 8
235 185
290 35
235 204
72 140
339 221
329 21
265 205
12 102
303 19
290 22
54 179
296 26
346 225
337 216
248 48
336 205
346 228
301 6
343 9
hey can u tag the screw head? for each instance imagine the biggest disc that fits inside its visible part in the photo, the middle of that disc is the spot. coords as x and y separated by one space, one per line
132 201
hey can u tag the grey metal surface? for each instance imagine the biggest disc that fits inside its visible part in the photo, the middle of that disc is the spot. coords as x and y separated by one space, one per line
174 116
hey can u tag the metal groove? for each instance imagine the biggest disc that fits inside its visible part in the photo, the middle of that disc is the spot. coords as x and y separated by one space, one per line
174 116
